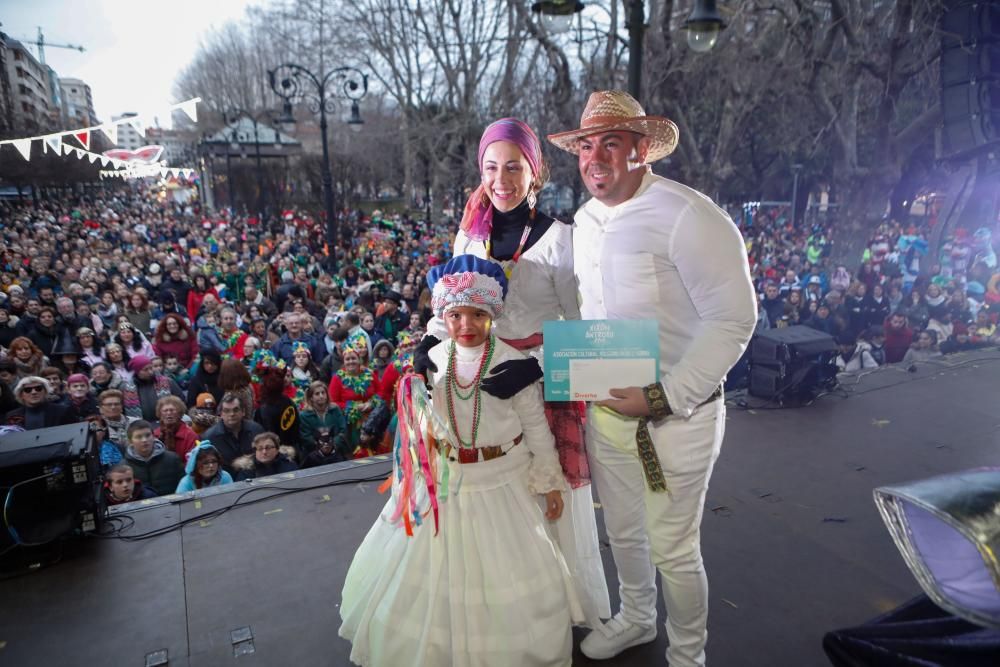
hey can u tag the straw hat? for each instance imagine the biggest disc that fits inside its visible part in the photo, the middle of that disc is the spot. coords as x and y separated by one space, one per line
609 110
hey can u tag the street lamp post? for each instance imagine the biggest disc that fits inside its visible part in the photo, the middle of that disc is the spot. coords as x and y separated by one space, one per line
796 168
290 81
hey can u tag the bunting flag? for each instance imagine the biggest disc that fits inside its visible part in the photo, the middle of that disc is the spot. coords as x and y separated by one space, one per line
190 108
53 141
111 130
23 147
138 125
56 141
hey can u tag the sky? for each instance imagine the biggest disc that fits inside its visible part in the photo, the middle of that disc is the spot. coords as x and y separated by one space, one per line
135 49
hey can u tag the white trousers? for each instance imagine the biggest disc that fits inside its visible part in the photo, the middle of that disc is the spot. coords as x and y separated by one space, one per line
660 530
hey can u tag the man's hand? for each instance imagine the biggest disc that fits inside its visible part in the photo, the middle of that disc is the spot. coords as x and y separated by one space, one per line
628 401
512 376
554 505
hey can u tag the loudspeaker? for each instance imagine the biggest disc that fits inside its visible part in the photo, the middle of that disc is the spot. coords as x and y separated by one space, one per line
50 486
970 77
791 363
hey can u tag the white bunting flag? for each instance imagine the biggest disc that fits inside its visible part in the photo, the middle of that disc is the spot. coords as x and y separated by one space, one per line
53 141
111 129
23 147
93 157
104 160
67 149
190 108
138 125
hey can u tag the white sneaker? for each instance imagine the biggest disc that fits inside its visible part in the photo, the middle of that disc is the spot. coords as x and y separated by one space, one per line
614 637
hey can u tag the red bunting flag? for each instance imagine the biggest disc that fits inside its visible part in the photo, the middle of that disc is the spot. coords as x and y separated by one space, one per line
84 138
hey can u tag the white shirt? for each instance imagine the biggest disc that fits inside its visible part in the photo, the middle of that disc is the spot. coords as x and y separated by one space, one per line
670 254
500 421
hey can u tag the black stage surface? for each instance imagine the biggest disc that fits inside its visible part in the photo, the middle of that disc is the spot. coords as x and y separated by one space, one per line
792 539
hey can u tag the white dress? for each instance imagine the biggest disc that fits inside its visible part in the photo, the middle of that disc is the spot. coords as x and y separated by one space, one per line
542 287
491 589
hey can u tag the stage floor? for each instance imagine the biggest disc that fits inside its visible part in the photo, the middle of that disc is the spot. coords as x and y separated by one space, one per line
793 543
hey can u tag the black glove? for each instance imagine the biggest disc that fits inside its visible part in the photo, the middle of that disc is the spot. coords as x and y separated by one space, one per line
422 364
512 376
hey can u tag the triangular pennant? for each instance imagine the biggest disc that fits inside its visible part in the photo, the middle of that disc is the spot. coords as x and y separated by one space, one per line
92 157
23 147
138 125
80 154
164 173
83 136
111 129
67 149
104 160
53 141
190 108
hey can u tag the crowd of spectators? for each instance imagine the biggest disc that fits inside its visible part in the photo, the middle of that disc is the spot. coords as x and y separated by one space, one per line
897 305
207 348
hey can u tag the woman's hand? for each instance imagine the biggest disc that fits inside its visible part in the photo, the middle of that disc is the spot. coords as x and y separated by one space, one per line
554 505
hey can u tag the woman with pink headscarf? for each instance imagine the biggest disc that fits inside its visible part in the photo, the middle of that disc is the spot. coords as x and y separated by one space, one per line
502 223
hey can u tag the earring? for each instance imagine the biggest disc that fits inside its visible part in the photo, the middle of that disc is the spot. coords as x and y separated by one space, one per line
532 199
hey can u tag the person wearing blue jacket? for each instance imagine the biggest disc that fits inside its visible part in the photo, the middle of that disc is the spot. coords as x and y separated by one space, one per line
204 468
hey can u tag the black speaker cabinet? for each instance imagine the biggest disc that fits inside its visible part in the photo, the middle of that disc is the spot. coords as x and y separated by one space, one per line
970 76
791 362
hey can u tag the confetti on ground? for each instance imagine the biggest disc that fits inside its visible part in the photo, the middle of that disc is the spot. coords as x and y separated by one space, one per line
597 506
274 511
204 524
731 604
879 423
197 503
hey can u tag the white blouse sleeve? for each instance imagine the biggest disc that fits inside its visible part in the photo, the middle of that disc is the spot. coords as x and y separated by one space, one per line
544 473
563 277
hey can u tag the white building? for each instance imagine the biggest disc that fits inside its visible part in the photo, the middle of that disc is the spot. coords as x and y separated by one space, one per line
78 103
127 136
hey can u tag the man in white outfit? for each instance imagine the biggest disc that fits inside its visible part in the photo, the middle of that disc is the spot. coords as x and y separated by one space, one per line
649 248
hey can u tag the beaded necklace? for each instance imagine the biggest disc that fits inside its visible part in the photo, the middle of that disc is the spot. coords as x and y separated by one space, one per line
453 388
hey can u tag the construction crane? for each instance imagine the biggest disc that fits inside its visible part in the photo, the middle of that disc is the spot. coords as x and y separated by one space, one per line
41 44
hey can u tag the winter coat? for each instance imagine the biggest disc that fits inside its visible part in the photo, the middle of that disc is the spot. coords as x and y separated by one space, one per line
333 421
231 446
860 359
43 416
184 347
161 472
139 492
187 482
248 467
202 383
185 440
280 417
897 342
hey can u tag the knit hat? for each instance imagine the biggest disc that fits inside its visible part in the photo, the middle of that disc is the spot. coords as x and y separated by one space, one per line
139 362
77 377
467 280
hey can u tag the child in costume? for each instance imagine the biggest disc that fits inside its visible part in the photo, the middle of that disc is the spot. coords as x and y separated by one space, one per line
459 570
